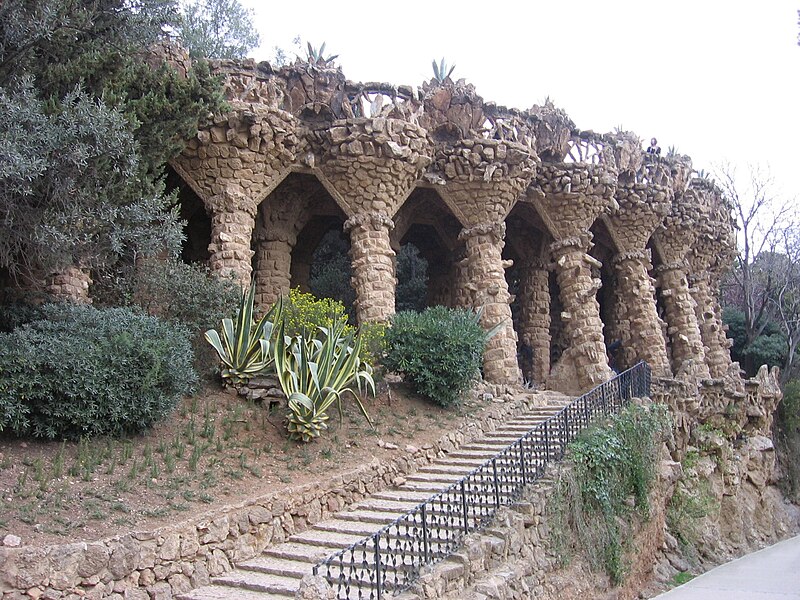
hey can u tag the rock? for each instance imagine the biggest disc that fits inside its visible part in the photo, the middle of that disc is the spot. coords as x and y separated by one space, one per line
12 541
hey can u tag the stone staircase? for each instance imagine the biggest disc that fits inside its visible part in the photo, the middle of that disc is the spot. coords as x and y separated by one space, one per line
276 574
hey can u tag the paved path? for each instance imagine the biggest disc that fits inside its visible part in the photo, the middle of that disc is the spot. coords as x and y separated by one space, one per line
769 574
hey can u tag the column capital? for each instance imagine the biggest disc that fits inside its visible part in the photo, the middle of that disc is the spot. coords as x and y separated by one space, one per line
639 256
374 221
495 230
678 265
581 242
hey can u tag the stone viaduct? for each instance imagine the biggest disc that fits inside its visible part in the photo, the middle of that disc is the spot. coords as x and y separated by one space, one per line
601 241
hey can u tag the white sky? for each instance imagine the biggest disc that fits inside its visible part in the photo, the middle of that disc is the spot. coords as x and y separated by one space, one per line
718 80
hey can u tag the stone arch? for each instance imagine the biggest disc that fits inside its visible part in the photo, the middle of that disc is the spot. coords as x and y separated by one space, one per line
280 242
429 223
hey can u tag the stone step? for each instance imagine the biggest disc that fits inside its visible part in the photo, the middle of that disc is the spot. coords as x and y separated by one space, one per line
371 516
277 566
402 495
382 505
429 488
224 592
445 470
347 526
301 552
315 537
258 582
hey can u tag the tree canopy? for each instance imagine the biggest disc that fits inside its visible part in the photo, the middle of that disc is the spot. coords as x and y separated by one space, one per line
217 29
88 118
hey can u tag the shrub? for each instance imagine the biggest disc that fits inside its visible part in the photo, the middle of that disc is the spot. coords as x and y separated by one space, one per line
438 351
611 470
189 294
86 372
304 314
787 437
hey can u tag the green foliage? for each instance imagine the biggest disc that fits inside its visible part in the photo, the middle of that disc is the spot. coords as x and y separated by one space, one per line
245 345
86 124
441 71
304 314
438 351
84 371
787 437
217 29
769 348
331 271
412 279
188 294
315 372
611 471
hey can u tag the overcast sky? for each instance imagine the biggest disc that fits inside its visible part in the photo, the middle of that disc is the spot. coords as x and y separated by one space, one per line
717 80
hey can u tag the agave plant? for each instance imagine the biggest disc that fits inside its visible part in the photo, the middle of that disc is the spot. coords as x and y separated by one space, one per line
316 372
441 72
317 57
244 346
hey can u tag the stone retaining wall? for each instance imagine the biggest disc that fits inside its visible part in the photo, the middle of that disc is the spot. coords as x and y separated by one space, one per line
156 565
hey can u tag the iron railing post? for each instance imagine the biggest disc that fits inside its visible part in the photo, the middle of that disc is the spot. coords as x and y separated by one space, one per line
426 550
464 505
547 441
522 461
496 485
378 583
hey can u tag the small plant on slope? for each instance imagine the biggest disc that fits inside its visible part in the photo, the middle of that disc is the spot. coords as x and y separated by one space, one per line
316 372
244 346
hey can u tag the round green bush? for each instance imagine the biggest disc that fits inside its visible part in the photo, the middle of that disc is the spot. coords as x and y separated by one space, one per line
438 351
83 371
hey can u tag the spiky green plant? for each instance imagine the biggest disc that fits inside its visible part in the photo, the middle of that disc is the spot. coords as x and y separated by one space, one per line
317 57
244 346
440 71
316 372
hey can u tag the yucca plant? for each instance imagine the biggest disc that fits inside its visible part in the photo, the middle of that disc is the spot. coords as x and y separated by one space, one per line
441 72
316 372
245 344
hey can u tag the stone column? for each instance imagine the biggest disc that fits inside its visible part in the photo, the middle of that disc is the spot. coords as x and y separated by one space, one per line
534 297
639 325
581 315
688 355
231 231
373 266
273 274
70 284
489 290
712 331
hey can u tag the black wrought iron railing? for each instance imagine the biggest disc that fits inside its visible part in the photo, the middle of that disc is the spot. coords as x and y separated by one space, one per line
389 561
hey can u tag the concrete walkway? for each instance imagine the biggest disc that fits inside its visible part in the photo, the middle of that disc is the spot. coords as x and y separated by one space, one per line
769 574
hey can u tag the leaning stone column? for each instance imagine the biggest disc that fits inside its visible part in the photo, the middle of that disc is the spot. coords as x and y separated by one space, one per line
373 266
581 314
534 296
642 332
688 355
712 331
489 289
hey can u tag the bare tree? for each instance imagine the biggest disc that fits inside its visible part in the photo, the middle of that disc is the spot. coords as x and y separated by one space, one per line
766 274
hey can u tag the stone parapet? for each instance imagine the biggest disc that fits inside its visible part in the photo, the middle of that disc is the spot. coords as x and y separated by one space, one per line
70 284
